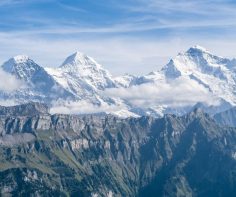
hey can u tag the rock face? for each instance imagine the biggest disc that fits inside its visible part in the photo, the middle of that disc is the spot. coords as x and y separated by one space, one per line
68 155
226 118
29 109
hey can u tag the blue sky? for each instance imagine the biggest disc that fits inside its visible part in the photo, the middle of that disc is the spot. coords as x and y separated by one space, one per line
135 36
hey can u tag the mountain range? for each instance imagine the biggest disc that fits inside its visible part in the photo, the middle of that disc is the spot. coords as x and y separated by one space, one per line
106 156
178 137
195 78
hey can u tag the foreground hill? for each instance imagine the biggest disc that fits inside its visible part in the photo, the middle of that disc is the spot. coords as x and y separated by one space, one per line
102 155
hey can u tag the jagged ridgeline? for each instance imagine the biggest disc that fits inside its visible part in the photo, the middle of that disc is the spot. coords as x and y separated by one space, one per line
197 76
102 155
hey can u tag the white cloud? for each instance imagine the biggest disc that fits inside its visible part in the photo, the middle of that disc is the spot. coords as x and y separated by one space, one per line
8 102
8 82
178 93
82 107
181 92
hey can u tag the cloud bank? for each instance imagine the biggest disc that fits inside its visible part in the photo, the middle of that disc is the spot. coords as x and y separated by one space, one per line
81 107
178 93
181 92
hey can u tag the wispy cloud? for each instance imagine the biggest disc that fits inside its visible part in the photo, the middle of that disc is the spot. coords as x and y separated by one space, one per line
7 2
71 8
128 27
152 15
14 2
200 7
182 14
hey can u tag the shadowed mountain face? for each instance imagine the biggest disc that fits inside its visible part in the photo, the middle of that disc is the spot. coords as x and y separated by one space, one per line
29 109
36 84
65 155
227 118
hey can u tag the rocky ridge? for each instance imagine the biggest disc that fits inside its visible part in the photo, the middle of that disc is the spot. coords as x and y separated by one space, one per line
70 155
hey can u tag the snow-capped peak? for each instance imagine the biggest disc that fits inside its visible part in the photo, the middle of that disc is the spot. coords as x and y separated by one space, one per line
79 59
82 75
81 79
16 60
20 65
198 48
20 59
197 59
